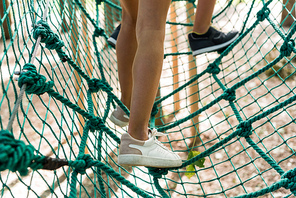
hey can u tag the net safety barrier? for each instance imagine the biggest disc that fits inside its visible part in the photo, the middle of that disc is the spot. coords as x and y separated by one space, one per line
235 108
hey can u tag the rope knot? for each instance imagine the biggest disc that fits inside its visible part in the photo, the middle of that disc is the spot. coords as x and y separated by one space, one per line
263 13
158 172
291 175
16 155
95 124
36 83
48 37
99 32
95 85
229 94
245 129
82 163
213 68
287 48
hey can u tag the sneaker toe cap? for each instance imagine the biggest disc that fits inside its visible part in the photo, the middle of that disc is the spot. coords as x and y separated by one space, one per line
174 156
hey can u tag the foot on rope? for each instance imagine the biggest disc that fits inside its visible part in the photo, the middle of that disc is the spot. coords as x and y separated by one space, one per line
149 153
212 40
119 117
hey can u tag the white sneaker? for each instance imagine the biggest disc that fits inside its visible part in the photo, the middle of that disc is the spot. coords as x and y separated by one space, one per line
119 117
150 153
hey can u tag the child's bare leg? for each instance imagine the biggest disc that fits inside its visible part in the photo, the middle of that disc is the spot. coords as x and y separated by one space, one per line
148 63
203 16
126 47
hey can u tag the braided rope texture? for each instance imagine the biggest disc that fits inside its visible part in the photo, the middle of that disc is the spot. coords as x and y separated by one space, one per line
83 64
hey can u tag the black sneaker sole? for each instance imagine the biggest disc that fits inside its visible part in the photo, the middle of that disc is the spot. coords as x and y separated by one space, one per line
214 48
112 42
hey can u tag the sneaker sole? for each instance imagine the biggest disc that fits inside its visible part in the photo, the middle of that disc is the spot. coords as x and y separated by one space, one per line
213 48
118 122
140 160
112 41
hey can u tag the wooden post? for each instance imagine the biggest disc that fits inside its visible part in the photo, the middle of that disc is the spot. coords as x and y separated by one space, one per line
174 44
7 22
73 27
193 89
286 20
111 15
87 52
78 80
174 37
65 25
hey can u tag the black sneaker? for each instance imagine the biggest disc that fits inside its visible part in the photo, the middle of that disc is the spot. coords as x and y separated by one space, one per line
213 40
113 38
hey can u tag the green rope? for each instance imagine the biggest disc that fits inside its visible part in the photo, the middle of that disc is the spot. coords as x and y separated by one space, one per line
36 83
85 161
287 181
16 156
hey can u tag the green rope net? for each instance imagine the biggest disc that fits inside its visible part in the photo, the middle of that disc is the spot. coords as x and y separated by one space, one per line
229 115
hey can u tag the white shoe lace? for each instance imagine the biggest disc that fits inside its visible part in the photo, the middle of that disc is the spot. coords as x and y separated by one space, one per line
154 134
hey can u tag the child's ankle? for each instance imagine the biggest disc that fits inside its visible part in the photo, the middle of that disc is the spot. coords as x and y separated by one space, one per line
201 32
